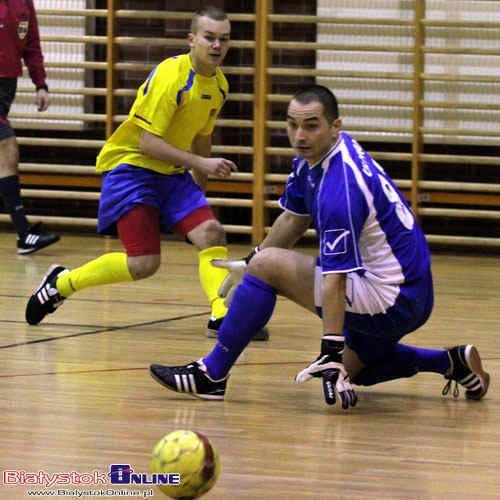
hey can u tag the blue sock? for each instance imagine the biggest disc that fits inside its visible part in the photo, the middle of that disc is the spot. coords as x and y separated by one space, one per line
250 310
404 361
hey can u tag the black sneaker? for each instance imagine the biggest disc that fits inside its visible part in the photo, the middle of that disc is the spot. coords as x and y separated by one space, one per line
45 299
466 370
35 239
214 325
192 378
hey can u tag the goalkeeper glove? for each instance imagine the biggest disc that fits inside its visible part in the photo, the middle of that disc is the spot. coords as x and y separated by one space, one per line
329 366
237 269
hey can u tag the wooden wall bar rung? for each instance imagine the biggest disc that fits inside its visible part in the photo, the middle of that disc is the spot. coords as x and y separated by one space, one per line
218 149
453 77
460 213
460 186
445 23
472 241
60 195
77 65
72 12
290 18
347 101
74 39
58 169
87 117
174 15
58 142
459 50
460 105
465 159
72 90
58 220
339 47
459 132
383 75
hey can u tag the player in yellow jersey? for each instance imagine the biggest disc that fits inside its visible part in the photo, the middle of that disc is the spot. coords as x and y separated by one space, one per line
155 168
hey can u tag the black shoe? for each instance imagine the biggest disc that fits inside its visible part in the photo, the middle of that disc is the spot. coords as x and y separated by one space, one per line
45 299
214 325
466 370
192 378
35 239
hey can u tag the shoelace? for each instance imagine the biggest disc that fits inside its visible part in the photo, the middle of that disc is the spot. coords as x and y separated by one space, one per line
447 387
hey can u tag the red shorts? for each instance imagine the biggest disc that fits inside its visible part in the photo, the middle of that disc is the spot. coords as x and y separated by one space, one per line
139 228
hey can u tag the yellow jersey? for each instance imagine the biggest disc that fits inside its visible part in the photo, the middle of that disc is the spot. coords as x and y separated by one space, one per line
175 103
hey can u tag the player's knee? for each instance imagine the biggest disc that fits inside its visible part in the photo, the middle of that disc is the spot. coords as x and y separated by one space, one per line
213 233
143 266
265 265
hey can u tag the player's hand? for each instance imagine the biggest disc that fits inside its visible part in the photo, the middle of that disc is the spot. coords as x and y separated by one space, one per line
237 269
219 167
42 99
337 382
329 367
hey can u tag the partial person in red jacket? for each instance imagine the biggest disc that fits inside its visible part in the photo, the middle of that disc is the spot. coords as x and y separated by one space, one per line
19 40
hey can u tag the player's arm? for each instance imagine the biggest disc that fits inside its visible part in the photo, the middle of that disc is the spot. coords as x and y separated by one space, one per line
329 365
33 58
286 230
156 147
334 291
201 146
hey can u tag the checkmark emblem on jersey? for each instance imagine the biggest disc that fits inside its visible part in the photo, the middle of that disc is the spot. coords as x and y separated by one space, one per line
335 241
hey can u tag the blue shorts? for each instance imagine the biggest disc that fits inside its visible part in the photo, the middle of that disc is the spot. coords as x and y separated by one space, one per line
174 196
8 88
372 334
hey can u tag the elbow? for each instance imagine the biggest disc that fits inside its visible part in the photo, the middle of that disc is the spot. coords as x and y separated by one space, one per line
145 143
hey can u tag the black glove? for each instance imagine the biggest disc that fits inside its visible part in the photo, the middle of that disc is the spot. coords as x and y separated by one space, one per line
329 366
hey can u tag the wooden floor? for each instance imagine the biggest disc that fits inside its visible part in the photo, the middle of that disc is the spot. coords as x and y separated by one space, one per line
76 395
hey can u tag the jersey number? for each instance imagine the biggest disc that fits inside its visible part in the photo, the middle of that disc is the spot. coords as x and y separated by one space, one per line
405 216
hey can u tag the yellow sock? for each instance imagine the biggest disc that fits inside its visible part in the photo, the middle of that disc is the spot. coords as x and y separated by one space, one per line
211 278
106 269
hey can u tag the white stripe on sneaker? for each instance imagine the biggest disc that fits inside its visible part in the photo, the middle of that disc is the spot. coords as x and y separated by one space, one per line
178 383
193 383
185 383
31 239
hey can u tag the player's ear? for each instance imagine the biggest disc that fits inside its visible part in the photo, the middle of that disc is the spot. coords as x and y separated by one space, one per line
336 127
190 38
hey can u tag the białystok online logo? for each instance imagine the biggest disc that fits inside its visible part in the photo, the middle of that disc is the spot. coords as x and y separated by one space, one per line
123 474
118 474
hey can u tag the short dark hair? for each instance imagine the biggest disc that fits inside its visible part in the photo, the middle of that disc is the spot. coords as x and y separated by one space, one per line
319 93
209 11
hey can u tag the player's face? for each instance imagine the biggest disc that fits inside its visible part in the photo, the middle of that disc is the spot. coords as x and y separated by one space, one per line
209 45
309 132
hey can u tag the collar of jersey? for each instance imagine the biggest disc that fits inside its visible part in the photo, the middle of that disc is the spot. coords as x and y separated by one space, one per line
330 153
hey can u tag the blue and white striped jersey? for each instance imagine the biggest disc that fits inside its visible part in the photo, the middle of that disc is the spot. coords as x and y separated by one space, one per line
362 220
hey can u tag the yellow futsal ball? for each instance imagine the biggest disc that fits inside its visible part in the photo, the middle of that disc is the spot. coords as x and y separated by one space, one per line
190 455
